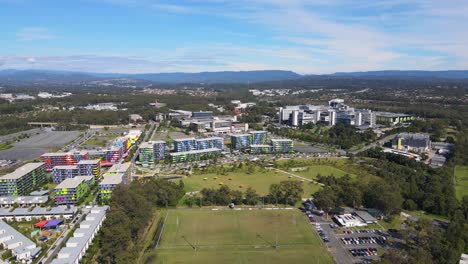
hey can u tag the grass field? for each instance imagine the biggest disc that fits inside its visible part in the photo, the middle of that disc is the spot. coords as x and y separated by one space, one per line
461 177
259 181
324 170
238 237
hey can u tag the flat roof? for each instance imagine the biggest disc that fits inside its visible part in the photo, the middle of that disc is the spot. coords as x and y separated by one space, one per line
92 161
260 146
121 167
210 138
23 170
146 145
257 131
73 182
365 216
23 199
112 178
81 237
65 167
39 211
199 151
184 139
280 139
390 114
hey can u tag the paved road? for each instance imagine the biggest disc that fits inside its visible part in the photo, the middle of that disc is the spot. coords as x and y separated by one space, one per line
339 253
379 142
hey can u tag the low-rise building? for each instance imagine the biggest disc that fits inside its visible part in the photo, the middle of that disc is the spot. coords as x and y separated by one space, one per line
71 190
348 220
23 201
23 179
27 214
76 246
22 248
412 142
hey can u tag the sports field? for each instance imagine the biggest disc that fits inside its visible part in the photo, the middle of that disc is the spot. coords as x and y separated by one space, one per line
461 177
259 181
234 236
324 170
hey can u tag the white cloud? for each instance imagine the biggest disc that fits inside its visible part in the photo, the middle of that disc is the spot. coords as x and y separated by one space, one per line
34 33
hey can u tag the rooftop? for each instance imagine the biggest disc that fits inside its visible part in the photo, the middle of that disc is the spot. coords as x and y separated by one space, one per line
122 167
10 237
112 179
73 182
199 151
91 162
38 211
23 170
9 200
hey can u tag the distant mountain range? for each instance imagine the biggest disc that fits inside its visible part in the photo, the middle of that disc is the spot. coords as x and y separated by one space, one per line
66 77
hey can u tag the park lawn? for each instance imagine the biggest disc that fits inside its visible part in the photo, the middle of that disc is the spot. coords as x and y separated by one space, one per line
324 170
259 181
232 236
461 177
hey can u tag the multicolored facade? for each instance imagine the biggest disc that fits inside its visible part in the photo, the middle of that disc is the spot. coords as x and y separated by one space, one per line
282 145
146 155
258 137
260 149
123 142
160 150
184 144
240 141
62 158
72 190
23 179
194 155
83 168
108 184
113 155
122 168
208 143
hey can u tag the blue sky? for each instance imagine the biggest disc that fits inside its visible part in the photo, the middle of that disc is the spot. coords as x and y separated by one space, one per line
306 36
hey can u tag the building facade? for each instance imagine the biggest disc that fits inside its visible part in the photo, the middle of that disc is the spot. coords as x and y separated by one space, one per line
23 179
282 146
72 190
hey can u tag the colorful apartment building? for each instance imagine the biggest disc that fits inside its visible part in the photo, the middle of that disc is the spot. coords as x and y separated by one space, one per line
260 149
23 179
122 168
62 158
258 137
107 185
208 143
83 168
193 155
72 190
146 155
112 155
160 149
282 145
240 141
123 142
184 144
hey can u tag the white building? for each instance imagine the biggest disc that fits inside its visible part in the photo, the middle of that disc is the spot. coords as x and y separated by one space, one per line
349 220
77 245
21 247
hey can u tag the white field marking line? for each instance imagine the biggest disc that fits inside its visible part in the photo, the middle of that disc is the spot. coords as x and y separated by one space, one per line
162 230
228 246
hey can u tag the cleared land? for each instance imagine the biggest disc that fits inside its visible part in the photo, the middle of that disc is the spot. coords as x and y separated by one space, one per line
259 181
238 237
461 178
31 148
312 171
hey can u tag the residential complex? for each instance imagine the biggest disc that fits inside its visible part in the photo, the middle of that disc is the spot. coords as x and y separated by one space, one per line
122 168
23 201
258 137
150 152
240 141
107 185
27 214
62 158
412 142
22 248
71 190
83 168
76 246
23 179
188 149
282 145
335 112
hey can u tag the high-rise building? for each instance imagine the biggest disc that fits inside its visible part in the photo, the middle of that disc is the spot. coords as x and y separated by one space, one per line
72 190
23 179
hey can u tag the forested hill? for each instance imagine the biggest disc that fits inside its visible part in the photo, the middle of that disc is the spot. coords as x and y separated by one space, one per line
406 74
